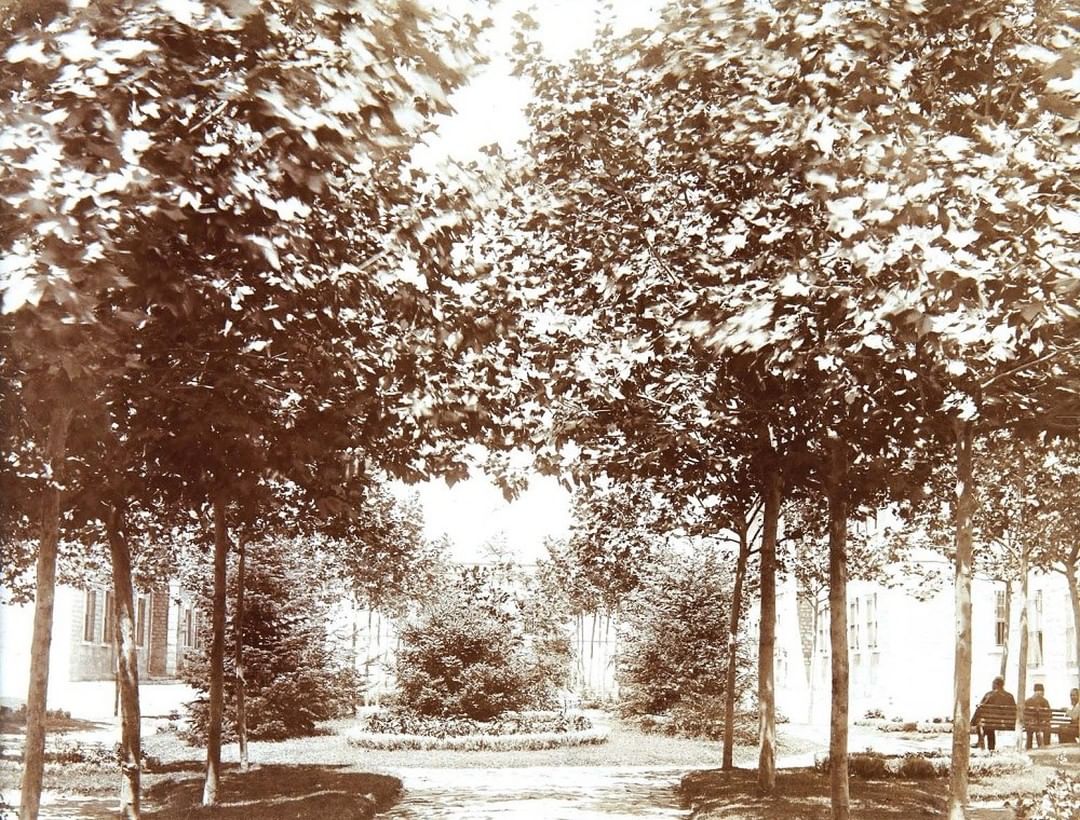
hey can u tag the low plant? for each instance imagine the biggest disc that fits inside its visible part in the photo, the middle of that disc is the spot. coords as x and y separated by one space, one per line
476 743
1060 799
872 765
402 722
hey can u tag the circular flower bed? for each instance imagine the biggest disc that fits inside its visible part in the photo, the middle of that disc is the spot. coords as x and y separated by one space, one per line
394 729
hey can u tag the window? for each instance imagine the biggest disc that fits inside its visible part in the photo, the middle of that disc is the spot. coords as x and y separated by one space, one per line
140 623
108 629
871 621
1001 621
1070 632
1037 630
189 630
90 615
853 625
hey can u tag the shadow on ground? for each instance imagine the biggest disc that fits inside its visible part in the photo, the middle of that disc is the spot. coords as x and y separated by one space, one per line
804 794
277 793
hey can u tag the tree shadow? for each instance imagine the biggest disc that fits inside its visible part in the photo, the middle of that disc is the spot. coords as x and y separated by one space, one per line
276 792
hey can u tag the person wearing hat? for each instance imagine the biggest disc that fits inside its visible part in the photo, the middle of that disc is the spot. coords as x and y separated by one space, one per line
1037 717
1072 734
997 696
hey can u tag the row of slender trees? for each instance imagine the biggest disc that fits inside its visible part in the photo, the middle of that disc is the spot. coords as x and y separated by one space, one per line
209 226
791 250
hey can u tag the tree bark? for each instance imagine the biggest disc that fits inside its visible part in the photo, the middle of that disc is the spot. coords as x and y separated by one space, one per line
1008 624
1074 596
836 484
241 707
733 646
767 635
965 512
127 666
1022 653
44 600
217 659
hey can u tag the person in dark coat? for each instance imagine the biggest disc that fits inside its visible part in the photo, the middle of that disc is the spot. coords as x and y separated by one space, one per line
1037 717
997 696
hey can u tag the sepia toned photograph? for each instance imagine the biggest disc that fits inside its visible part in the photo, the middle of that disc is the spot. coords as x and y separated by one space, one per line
540 409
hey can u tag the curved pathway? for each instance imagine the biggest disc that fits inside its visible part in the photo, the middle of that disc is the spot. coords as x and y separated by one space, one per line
548 792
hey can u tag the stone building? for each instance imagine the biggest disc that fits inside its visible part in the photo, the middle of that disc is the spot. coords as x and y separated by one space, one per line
83 649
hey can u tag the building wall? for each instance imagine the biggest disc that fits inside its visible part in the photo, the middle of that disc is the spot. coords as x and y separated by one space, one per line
901 649
82 646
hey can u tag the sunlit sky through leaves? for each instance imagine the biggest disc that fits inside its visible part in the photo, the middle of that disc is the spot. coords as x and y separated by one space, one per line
491 109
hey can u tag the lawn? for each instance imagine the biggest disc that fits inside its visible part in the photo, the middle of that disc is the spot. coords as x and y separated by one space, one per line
323 776
804 793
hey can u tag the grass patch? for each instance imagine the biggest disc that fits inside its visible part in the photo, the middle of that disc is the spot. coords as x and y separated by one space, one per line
277 793
804 794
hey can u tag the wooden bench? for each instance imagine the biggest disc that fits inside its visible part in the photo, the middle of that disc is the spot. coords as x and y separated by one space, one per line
998 716
1002 718
1062 724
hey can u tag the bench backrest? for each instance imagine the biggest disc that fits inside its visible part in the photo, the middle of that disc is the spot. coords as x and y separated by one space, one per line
995 716
1059 719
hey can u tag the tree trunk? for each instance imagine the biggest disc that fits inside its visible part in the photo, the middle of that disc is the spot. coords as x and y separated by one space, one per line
241 707
733 645
965 512
44 599
592 651
767 636
1022 653
1008 624
1074 595
813 673
836 483
217 659
127 677
367 661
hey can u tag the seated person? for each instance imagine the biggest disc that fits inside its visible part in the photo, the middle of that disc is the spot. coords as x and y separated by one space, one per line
1037 717
997 696
1072 734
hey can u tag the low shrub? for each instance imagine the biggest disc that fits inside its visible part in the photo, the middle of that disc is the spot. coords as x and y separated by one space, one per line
916 767
401 722
932 763
1059 801
476 743
701 720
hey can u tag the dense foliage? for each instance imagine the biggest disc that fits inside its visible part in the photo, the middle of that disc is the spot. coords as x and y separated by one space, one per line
293 678
471 653
674 637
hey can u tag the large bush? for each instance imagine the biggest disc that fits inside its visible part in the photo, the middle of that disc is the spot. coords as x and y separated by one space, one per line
674 638
471 653
293 677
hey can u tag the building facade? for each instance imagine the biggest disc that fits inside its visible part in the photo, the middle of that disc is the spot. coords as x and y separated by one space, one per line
901 646
83 645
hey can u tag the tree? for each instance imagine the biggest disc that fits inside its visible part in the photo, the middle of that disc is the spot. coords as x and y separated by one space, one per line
674 654
291 677
470 653
190 187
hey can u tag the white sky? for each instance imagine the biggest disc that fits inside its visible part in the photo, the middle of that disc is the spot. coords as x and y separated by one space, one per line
490 108
474 512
